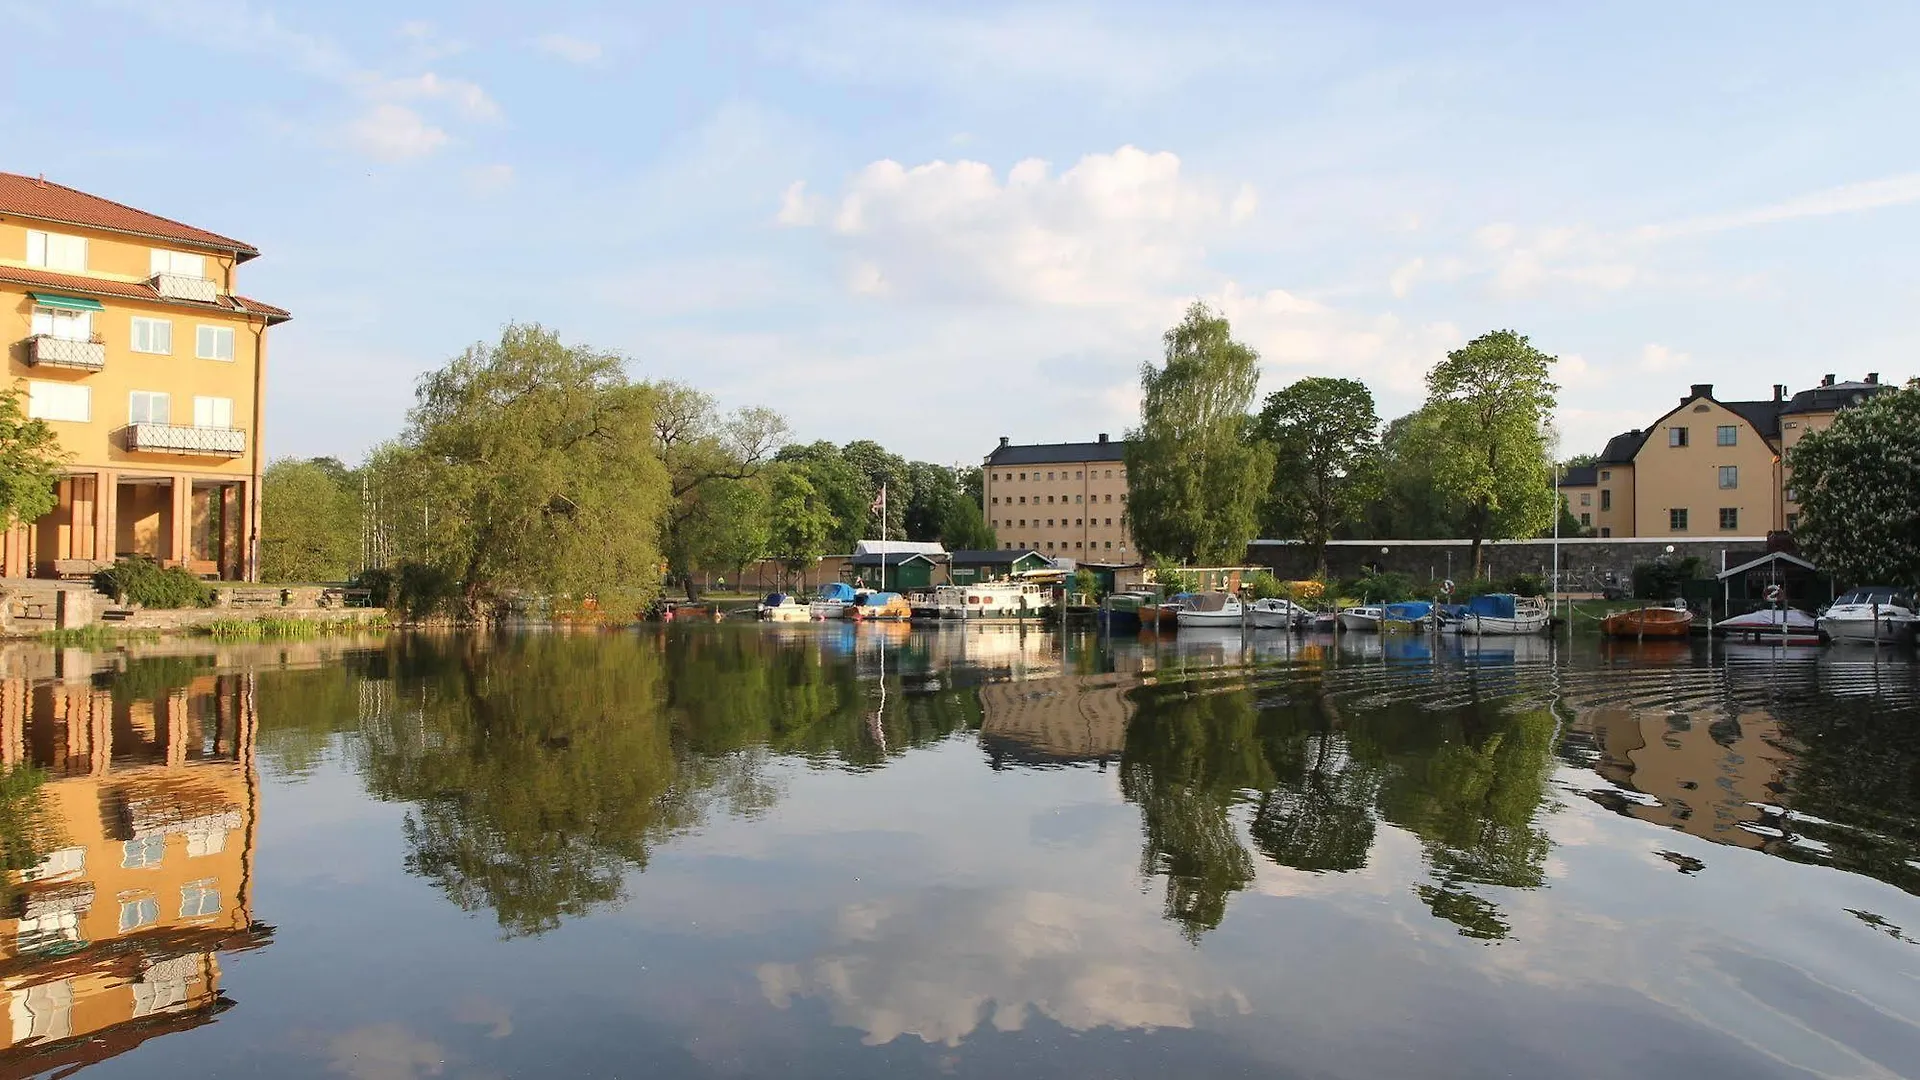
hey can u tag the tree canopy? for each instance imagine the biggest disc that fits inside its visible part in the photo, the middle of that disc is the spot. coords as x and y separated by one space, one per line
1324 435
309 521
1195 477
30 460
1858 486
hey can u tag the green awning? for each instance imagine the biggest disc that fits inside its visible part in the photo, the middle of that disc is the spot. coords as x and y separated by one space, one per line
71 303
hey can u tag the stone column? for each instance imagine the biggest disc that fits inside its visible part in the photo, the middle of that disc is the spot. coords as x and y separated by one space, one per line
182 519
106 493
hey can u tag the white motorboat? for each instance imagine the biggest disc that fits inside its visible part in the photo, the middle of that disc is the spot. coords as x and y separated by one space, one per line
997 600
1211 609
1503 614
1875 614
784 607
1276 614
1364 619
833 600
1790 625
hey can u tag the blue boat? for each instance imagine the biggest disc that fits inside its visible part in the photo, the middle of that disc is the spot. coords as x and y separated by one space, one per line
1411 615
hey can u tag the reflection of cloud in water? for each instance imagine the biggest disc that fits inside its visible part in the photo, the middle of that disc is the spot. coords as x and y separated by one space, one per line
936 964
386 1052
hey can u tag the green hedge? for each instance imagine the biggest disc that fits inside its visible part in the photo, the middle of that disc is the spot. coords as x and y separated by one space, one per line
138 581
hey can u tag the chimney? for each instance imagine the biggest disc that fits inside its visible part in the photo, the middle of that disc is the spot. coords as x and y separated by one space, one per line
1700 390
1004 440
1826 380
1103 438
1873 378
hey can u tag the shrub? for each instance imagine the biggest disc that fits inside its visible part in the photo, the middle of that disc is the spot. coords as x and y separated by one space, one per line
1527 585
413 590
1389 588
139 581
1262 585
1664 579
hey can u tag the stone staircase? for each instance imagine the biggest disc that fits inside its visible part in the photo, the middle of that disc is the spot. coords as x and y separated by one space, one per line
33 605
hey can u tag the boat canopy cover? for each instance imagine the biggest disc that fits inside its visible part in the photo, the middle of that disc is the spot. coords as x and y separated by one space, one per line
1411 610
774 599
1181 598
878 599
1884 595
1211 601
1451 611
1492 606
1770 618
837 590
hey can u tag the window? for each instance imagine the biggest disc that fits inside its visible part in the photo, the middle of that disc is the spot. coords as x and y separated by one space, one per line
1049 500
1605 532
1586 498
1677 520
213 412
152 336
1023 523
59 401
1606 498
199 898
1123 496
1793 522
1729 477
1077 522
1726 435
149 407
1109 522
996 500
61 323
143 852
1109 474
1606 474
1109 497
1676 436
1076 474
1023 476
1049 523
1077 545
1109 545
135 914
1729 517
1586 520
1077 498
53 251
179 262
1049 545
206 842
213 343
1049 476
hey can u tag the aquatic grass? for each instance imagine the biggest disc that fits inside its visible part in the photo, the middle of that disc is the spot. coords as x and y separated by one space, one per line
276 628
95 636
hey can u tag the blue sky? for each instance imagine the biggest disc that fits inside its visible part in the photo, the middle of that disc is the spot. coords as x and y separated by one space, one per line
935 225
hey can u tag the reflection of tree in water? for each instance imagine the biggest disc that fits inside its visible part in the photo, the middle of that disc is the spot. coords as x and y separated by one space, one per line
542 770
1854 783
1467 782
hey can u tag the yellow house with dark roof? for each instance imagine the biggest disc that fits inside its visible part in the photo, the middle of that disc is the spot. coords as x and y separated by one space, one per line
126 333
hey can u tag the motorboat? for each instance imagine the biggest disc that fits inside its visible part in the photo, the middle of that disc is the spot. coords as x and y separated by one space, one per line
1504 614
1789 626
1414 616
833 600
1164 615
1211 609
1121 611
784 607
872 606
1277 614
1364 619
1001 600
1873 614
1653 621
1324 622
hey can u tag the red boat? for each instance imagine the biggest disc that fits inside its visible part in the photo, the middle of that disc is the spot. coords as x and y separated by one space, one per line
1648 622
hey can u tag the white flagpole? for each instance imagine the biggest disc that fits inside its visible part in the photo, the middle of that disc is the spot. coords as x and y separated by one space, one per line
883 539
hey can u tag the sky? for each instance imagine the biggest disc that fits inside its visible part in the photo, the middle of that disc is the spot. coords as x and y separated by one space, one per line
935 225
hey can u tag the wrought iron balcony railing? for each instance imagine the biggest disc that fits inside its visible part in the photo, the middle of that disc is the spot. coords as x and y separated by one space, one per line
181 439
49 351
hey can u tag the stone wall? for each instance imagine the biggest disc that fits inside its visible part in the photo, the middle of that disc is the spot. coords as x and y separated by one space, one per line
1584 564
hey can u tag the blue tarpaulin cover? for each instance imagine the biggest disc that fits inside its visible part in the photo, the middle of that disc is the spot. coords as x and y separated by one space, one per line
837 590
1411 610
1492 605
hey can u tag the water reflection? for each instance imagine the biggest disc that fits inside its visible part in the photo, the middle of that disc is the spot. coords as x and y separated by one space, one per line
930 835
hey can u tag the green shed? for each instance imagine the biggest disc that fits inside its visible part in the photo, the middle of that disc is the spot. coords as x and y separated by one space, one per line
906 570
991 564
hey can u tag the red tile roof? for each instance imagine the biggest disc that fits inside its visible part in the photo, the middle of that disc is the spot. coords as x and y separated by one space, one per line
137 290
39 198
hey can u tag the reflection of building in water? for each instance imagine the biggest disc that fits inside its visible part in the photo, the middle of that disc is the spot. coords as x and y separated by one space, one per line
1706 775
146 824
1047 721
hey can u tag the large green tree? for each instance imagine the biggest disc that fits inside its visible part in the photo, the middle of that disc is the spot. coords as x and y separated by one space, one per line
701 447
727 529
841 487
800 525
1194 474
309 521
1324 434
1491 400
1858 486
543 459
30 460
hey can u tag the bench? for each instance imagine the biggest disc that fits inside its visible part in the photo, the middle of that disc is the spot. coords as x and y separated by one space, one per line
346 598
253 598
78 569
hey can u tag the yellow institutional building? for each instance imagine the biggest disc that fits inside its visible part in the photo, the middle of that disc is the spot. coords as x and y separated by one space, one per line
126 334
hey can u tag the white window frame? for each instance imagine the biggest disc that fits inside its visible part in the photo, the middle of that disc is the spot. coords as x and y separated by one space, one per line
149 397
41 395
56 251
178 263
146 343
201 349
1729 473
206 412
61 323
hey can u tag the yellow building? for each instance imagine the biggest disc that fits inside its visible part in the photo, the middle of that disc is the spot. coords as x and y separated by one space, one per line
1707 467
146 821
1061 499
126 333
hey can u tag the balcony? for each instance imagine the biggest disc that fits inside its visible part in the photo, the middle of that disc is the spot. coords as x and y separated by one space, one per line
179 439
45 350
185 287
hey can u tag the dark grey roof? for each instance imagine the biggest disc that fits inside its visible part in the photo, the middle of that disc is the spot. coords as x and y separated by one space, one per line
894 558
1763 415
1054 453
1622 447
1580 476
1832 398
991 556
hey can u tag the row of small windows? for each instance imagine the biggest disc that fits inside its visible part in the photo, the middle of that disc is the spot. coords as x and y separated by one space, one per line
1677 519
1078 474
1013 545
1077 523
145 335
74 403
995 500
1723 435
57 251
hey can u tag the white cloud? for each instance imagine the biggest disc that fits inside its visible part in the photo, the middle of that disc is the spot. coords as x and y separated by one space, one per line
1405 275
465 95
490 179
1298 336
394 133
797 207
1114 228
1660 358
424 43
1845 199
573 50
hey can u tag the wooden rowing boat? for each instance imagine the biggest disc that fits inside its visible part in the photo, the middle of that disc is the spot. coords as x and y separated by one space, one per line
1648 622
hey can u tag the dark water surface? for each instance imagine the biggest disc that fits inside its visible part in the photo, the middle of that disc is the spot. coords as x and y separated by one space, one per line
743 851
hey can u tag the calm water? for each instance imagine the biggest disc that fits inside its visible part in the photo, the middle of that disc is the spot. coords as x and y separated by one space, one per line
742 851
